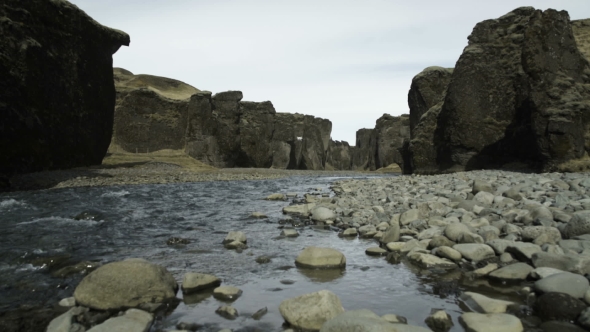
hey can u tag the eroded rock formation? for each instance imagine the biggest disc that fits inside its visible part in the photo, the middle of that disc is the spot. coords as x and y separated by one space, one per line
581 30
57 95
519 94
425 99
155 113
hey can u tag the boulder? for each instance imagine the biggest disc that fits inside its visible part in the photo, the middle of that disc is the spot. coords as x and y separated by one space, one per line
558 306
357 320
235 236
227 293
439 321
578 225
55 114
194 282
579 264
133 320
125 284
512 273
317 257
484 304
321 213
572 284
311 311
428 261
475 322
475 251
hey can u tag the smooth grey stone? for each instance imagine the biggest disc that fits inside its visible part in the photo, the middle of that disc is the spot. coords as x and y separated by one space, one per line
568 283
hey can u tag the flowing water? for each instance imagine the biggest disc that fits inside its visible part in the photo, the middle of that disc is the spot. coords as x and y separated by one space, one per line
39 234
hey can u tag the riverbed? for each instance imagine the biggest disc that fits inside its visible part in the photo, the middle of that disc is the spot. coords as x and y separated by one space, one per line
40 234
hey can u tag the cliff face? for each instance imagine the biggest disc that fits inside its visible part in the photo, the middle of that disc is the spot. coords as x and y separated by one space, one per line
156 113
519 94
57 95
581 30
425 98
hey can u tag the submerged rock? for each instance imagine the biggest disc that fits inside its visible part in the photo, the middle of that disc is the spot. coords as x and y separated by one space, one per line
311 311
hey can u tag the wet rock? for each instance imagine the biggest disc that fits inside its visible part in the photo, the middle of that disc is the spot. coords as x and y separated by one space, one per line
133 320
475 251
276 197
237 245
227 293
322 214
349 232
490 322
317 257
303 210
173 241
258 314
82 267
68 302
263 259
64 322
227 311
193 282
512 273
439 321
558 306
574 285
584 318
427 261
235 236
311 311
289 232
376 251
183 326
363 320
395 319
258 215
484 304
126 284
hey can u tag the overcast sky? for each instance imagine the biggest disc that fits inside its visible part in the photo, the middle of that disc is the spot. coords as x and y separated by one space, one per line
347 61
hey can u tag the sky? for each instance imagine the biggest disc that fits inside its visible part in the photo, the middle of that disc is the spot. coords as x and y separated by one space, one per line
346 61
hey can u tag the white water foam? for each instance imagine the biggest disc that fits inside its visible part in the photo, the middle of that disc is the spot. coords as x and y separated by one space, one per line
11 203
61 221
120 193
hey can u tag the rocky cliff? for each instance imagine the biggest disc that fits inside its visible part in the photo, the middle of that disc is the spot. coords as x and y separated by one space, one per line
155 113
425 98
381 146
57 95
581 30
519 94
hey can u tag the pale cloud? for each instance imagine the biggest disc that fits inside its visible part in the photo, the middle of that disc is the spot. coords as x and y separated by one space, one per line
347 61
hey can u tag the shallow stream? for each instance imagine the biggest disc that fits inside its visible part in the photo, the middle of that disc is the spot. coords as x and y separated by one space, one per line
38 235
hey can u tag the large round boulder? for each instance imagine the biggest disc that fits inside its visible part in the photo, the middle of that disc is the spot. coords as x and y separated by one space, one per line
311 311
126 284
558 306
578 225
322 258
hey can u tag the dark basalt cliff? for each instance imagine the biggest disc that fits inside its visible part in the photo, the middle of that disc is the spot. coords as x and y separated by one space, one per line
56 89
155 113
519 95
581 30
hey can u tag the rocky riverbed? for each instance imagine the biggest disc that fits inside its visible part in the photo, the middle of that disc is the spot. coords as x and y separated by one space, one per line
494 249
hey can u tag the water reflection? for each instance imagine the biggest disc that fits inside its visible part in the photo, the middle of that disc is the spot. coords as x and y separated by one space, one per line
322 275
